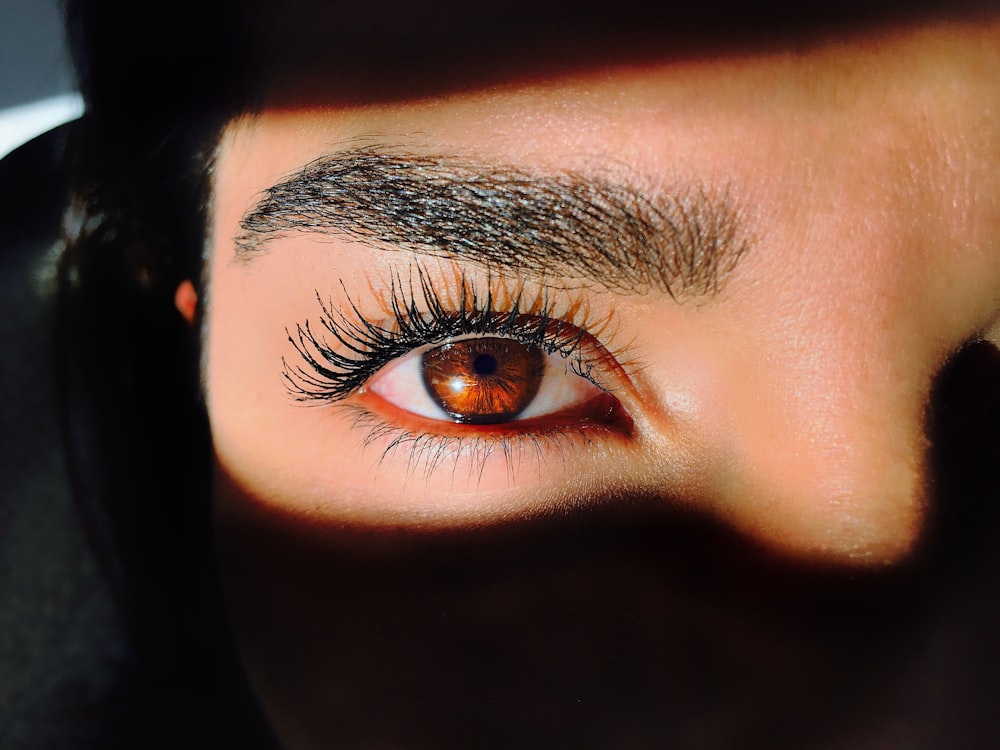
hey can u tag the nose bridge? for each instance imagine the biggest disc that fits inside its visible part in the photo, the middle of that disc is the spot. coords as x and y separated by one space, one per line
840 474
809 437
812 446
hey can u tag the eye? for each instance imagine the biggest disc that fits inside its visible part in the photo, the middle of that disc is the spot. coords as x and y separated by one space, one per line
483 381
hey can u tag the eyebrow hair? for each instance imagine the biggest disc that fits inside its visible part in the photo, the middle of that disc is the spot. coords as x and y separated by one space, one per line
572 226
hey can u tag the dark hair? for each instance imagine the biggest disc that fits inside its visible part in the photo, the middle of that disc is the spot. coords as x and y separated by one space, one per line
159 82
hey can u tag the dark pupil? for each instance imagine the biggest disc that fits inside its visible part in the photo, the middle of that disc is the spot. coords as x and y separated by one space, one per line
484 364
487 380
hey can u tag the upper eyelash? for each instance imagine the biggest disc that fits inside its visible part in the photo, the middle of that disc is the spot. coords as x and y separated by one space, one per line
420 317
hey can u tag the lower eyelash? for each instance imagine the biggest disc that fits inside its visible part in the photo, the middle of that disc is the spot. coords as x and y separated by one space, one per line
429 452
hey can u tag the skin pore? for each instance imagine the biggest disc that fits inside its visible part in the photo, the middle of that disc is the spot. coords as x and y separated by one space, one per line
846 193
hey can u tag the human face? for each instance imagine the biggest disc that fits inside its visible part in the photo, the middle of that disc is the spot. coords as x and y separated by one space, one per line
842 200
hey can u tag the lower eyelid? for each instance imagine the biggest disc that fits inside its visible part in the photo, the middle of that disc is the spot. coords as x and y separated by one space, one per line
481 457
421 443
602 414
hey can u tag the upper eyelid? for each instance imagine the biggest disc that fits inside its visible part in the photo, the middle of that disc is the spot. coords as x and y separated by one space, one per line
331 375
305 343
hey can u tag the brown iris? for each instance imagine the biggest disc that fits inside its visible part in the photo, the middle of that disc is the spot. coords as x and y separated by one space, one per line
484 380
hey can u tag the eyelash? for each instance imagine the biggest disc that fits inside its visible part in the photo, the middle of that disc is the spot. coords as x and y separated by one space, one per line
418 319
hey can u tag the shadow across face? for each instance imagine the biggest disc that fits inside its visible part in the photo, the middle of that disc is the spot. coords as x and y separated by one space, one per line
628 624
308 52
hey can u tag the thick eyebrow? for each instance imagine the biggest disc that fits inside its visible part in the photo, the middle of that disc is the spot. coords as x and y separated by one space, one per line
683 242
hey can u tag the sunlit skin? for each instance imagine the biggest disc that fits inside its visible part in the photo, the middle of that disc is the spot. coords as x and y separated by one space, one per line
790 406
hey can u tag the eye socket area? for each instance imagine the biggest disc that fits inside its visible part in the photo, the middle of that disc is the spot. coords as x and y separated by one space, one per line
492 382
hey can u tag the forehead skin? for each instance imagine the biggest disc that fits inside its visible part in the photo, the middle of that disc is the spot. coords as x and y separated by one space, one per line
792 405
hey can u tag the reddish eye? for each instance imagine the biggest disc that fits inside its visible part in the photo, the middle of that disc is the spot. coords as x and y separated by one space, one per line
484 380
